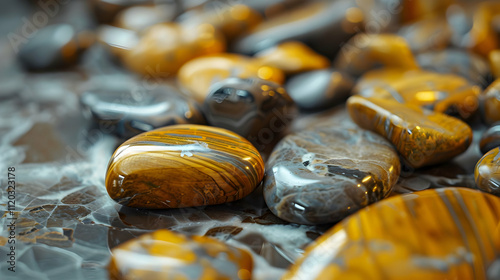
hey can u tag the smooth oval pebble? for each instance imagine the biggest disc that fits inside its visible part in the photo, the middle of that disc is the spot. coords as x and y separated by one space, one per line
126 113
325 174
449 233
490 139
490 100
421 137
183 166
320 89
487 172
444 93
249 107
163 254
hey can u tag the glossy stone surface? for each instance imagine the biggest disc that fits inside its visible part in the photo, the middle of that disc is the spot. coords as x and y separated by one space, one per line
318 90
490 138
416 10
321 25
249 107
449 233
368 51
426 35
53 47
292 57
444 93
164 254
117 41
459 62
494 59
198 75
422 137
183 166
491 102
483 36
487 172
126 113
165 47
323 175
140 17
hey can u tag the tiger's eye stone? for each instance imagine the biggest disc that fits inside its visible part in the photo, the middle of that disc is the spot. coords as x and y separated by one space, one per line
491 102
183 166
230 20
292 57
487 172
325 174
318 90
459 62
54 47
249 107
368 51
449 233
490 138
198 75
125 113
165 47
163 254
416 10
322 25
483 36
426 35
494 59
422 137
444 93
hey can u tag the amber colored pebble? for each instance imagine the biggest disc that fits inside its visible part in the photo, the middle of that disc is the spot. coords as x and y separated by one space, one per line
491 102
163 254
415 10
183 166
230 20
367 51
483 37
165 47
292 57
421 137
198 75
494 59
436 234
490 139
444 93
487 172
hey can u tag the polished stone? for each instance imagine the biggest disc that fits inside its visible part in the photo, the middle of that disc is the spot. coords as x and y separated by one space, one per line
292 57
249 107
198 75
322 25
368 51
183 166
494 60
140 17
416 10
487 172
165 47
459 62
490 139
54 47
320 89
483 37
427 35
164 254
117 41
125 112
444 93
490 100
324 175
421 137
449 233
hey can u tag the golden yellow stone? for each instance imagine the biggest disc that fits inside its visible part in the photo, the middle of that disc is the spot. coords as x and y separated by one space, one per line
494 59
367 51
487 172
421 137
165 47
183 166
292 57
483 36
444 93
436 234
199 74
164 254
415 10
491 102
